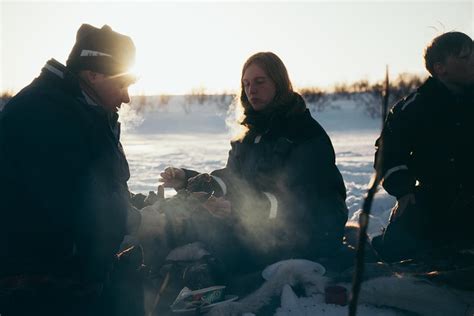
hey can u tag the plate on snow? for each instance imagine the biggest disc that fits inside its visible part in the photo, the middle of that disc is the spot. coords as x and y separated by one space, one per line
297 264
227 299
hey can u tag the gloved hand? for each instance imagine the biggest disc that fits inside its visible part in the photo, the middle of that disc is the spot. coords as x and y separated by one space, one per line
203 182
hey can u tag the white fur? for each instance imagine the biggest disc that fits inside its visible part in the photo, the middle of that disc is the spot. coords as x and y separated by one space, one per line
290 274
296 264
416 295
403 292
288 297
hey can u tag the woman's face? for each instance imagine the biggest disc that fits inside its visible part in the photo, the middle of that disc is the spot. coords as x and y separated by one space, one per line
259 88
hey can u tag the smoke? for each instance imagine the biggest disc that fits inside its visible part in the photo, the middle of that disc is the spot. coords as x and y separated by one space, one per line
131 117
188 222
234 115
269 237
180 220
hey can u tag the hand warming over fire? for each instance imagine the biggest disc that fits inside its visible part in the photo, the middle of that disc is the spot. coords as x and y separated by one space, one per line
216 206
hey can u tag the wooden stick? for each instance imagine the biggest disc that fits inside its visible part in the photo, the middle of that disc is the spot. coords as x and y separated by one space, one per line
163 286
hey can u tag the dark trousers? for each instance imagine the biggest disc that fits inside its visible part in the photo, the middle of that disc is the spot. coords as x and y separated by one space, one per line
438 219
48 302
120 294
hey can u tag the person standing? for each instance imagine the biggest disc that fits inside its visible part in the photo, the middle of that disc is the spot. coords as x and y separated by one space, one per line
63 186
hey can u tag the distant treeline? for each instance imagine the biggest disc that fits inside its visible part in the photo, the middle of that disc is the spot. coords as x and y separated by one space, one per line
368 95
363 93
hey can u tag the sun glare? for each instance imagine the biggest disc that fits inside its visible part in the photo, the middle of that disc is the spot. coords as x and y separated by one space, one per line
182 46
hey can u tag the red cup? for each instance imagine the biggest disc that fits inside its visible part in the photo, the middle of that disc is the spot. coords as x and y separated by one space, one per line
335 294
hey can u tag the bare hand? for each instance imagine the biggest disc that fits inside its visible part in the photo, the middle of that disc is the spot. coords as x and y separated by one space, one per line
402 204
173 178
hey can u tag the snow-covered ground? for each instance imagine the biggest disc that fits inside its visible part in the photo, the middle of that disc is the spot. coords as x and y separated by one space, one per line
197 137
158 137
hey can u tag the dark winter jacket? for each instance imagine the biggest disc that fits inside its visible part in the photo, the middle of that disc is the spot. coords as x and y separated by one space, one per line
287 195
63 183
426 148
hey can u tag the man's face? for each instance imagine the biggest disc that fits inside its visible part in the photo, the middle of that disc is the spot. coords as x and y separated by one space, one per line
111 90
459 70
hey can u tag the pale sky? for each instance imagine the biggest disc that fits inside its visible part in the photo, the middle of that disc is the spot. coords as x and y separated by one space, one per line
186 45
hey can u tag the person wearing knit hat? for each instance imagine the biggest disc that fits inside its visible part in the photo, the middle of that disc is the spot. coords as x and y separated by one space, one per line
101 50
102 58
64 199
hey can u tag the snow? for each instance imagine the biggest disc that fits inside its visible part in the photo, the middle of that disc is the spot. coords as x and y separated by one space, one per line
299 264
197 137
315 305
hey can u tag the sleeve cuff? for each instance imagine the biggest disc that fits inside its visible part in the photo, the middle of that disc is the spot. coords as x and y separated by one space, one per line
273 205
221 183
393 170
398 181
189 173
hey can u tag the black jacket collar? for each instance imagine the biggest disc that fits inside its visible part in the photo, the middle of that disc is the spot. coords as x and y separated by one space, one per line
292 121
